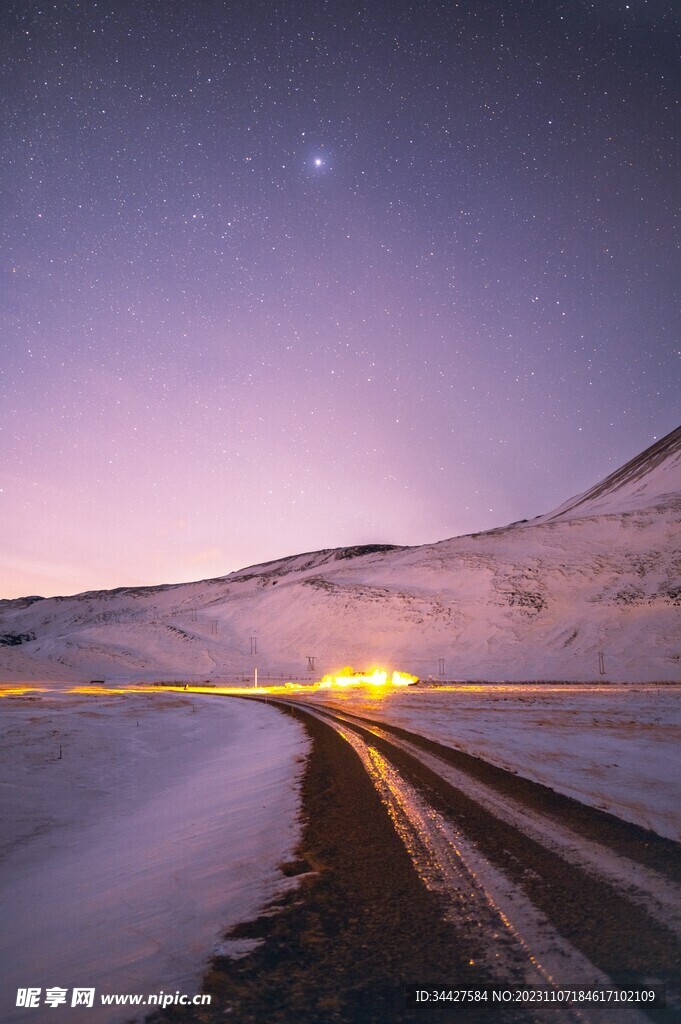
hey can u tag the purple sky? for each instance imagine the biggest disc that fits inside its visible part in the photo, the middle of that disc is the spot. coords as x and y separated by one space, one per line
276 277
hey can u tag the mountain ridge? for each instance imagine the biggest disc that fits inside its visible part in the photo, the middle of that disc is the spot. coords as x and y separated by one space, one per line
596 581
656 470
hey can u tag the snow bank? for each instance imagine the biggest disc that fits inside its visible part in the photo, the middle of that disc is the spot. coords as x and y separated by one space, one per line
123 862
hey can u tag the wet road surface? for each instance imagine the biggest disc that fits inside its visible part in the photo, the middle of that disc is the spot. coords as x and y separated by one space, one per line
422 865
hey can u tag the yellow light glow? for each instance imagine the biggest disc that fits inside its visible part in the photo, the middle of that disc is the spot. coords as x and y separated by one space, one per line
379 677
403 679
378 680
20 690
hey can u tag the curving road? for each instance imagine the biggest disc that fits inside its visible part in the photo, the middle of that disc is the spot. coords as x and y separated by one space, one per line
423 865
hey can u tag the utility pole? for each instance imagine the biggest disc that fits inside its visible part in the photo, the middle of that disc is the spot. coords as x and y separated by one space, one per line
256 679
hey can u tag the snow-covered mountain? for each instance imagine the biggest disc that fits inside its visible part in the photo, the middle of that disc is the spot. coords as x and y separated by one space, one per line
654 473
594 585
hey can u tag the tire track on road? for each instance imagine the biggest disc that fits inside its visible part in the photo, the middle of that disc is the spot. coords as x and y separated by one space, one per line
603 923
656 893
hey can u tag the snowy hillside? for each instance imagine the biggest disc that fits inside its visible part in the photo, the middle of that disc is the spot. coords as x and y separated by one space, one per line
601 575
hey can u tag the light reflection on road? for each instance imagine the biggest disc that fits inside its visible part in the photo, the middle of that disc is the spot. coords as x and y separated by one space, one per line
505 928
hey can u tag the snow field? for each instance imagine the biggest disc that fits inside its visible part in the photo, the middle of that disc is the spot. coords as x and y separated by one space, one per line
123 863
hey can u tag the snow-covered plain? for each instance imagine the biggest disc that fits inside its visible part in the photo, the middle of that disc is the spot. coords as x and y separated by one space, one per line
123 862
163 823
613 747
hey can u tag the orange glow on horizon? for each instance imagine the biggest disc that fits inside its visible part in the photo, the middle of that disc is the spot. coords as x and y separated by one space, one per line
379 677
18 689
378 681
346 677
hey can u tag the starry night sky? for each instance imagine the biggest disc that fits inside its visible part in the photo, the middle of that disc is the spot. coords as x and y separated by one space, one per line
282 276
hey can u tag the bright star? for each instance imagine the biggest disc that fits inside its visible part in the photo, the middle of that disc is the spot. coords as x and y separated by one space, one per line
318 162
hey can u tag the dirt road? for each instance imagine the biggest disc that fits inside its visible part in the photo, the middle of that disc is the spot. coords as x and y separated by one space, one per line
421 865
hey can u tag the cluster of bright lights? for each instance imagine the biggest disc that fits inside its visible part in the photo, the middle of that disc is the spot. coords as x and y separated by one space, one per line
344 678
379 677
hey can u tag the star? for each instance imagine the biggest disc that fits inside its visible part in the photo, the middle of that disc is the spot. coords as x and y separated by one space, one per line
306 213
